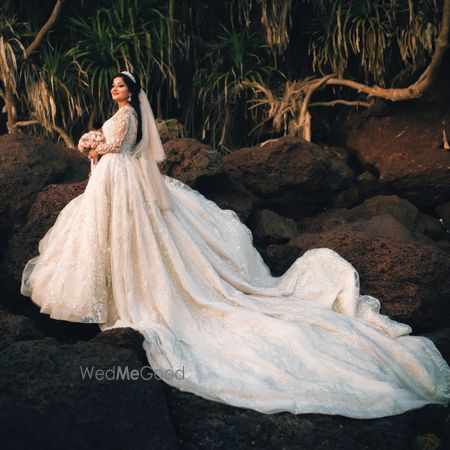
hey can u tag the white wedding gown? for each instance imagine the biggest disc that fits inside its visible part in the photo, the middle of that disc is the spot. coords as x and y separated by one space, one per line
190 280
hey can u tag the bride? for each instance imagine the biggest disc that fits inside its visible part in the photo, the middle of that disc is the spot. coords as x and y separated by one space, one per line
143 250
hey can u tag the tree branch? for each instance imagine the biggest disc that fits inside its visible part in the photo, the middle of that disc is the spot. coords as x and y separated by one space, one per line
343 102
303 120
67 139
44 29
425 80
304 89
441 45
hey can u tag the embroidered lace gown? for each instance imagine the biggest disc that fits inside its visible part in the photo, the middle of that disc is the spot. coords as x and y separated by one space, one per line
215 321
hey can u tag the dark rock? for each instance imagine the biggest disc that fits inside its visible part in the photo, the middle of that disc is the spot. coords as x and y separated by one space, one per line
403 211
124 338
15 328
443 245
46 403
368 185
430 427
52 199
385 226
441 339
188 159
63 331
203 424
404 146
280 257
271 228
443 211
29 164
294 177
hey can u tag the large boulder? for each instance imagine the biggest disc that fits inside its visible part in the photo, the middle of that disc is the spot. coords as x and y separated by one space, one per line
374 211
124 338
270 228
205 425
29 164
16 328
294 177
403 144
386 226
47 402
188 160
386 217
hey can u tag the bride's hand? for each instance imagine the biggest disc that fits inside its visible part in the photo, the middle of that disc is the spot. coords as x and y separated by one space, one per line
80 146
92 154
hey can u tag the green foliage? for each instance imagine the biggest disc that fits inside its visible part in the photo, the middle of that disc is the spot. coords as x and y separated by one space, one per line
54 84
232 59
11 49
380 35
119 38
196 59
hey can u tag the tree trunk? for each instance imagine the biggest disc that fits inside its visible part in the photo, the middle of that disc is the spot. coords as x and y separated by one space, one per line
10 103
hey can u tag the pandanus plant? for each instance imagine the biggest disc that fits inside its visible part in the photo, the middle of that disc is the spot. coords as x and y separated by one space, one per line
222 67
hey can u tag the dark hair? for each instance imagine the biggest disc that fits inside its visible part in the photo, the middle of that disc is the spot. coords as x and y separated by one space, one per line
134 89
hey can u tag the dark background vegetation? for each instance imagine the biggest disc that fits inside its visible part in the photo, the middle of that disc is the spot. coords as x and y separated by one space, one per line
198 59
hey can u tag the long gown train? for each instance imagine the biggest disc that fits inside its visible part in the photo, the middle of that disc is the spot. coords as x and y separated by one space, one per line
215 321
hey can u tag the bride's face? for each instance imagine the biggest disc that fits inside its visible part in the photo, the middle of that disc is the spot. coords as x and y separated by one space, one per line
119 90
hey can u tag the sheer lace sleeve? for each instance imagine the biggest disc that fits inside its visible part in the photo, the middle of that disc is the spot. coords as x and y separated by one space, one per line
121 122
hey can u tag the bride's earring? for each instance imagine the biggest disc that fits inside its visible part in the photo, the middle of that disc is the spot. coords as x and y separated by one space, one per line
129 98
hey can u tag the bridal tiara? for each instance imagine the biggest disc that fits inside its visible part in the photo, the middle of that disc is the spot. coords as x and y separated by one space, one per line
129 74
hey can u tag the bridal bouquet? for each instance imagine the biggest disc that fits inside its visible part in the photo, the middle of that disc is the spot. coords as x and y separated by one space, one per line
90 141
